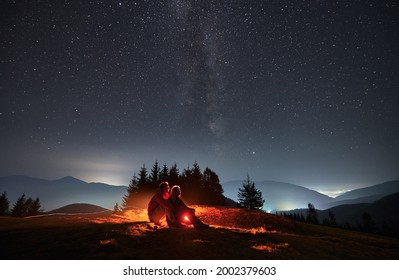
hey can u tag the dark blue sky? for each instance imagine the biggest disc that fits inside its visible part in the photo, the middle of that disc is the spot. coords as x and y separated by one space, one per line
304 92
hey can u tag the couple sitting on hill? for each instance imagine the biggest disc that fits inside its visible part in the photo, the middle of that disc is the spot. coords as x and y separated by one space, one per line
168 203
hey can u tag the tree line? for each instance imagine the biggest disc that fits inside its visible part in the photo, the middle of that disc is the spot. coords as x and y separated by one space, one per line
198 187
23 206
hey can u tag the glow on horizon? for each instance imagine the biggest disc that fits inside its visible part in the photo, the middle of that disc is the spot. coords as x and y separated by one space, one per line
333 193
113 180
109 172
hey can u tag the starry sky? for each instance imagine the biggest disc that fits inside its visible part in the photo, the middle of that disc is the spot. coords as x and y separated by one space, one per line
304 92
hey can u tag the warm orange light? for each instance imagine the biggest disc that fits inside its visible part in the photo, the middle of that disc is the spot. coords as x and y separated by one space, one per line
186 218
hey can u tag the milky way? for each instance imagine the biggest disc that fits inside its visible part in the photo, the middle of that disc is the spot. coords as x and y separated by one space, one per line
304 92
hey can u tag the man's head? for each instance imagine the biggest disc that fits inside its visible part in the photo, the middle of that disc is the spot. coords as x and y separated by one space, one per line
164 187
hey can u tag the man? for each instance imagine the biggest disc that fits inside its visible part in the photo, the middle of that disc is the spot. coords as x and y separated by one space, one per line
159 206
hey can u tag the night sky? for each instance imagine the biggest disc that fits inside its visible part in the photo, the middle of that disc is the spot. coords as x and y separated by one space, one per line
304 92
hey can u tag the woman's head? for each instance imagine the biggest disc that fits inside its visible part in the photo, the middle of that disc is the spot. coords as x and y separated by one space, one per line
175 191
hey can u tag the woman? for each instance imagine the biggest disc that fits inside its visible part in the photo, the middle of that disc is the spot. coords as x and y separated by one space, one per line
182 212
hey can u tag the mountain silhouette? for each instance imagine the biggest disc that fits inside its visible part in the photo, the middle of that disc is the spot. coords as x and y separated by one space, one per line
382 211
365 199
383 189
364 195
56 193
280 196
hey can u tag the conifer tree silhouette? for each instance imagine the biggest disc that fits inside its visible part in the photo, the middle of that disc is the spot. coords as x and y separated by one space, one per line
250 197
26 207
198 187
4 204
19 209
154 177
312 214
132 191
212 189
164 173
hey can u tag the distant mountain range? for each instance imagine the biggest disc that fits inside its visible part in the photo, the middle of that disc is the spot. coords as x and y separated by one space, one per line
383 212
57 193
283 196
380 189
278 196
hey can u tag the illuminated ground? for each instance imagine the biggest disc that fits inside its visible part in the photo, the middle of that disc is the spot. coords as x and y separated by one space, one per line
235 234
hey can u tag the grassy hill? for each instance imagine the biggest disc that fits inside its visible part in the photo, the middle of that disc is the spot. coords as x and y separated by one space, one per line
235 234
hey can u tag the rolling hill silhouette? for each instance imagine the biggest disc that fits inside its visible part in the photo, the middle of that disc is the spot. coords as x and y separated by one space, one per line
80 208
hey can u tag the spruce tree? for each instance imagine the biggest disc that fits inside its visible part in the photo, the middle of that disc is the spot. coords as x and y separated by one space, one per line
154 176
195 184
132 191
28 205
33 207
4 204
174 177
19 209
164 173
332 221
116 208
213 190
312 214
369 224
143 180
192 183
250 197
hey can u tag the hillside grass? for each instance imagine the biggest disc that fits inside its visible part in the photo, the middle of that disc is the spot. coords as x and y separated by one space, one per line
235 234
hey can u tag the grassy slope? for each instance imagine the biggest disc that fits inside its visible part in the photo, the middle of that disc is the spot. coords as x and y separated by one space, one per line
236 234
